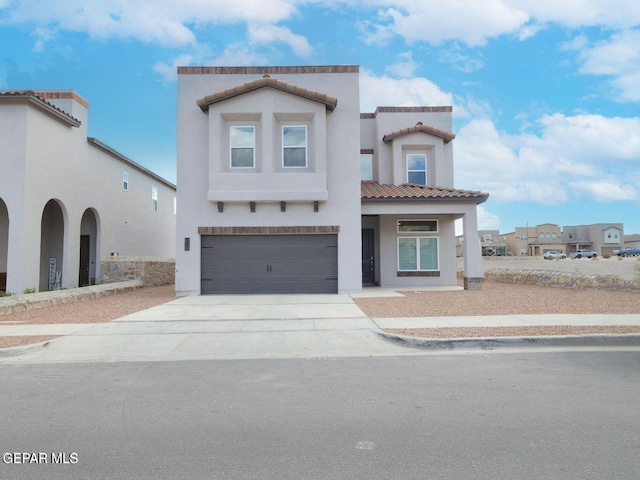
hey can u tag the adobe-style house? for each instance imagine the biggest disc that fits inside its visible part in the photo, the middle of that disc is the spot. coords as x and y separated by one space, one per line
285 187
536 240
67 200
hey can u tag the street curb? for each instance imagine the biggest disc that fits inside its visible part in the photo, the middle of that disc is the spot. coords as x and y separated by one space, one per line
13 351
490 343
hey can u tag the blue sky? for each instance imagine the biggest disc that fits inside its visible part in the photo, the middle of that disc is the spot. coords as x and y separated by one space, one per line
545 93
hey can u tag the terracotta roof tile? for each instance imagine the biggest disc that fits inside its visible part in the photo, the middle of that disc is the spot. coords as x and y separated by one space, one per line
39 101
266 81
419 127
370 190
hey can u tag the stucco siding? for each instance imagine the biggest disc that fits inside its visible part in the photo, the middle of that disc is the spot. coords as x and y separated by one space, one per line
333 137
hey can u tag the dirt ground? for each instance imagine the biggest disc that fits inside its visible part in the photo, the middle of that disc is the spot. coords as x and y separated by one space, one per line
98 310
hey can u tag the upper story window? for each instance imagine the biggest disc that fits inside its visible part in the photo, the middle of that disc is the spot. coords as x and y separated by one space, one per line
125 181
294 146
154 199
242 143
417 168
366 166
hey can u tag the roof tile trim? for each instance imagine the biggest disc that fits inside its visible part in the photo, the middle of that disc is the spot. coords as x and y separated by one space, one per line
419 128
371 190
266 81
63 95
32 97
268 70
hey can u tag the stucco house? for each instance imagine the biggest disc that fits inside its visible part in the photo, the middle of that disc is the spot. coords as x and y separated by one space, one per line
67 200
285 186
536 240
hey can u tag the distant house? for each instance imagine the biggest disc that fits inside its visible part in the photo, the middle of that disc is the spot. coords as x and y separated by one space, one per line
286 187
535 241
67 200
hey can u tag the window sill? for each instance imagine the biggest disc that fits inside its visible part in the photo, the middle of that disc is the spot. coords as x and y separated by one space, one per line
430 273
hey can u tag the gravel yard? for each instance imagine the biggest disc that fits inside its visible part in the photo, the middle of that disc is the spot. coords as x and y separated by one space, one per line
494 299
98 310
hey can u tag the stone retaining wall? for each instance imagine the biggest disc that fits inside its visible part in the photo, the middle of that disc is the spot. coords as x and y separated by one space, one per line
562 279
152 271
32 301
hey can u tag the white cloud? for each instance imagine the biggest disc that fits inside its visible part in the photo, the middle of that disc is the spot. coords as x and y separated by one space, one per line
583 13
461 61
405 67
474 23
163 21
403 92
619 57
574 157
266 33
235 54
435 21
487 220
606 190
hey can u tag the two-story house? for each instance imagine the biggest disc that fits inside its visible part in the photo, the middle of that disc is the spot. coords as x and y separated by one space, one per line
285 187
68 200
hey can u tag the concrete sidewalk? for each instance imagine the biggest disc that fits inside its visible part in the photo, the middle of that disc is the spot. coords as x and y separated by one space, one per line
260 326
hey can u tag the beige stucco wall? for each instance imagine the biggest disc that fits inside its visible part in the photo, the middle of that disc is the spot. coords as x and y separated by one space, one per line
199 140
47 159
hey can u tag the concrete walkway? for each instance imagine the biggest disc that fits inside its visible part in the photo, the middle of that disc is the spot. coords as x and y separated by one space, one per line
256 326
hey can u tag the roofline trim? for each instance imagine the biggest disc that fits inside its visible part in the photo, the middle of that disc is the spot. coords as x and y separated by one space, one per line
446 136
30 97
271 70
481 198
328 101
106 148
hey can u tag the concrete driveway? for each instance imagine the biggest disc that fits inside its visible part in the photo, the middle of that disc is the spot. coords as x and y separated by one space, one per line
218 327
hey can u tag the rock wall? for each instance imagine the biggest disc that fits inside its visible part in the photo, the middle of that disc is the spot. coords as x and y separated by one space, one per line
151 271
32 301
562 279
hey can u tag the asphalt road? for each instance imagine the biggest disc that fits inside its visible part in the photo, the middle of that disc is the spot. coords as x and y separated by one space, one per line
522 415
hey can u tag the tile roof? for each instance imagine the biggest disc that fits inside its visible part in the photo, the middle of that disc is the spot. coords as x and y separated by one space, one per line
370 190
40 102
267 81
419 127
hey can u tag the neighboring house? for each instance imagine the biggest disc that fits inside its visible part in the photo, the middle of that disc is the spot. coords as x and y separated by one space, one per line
632 240
599 237
535 241
490 241
270 161
67 200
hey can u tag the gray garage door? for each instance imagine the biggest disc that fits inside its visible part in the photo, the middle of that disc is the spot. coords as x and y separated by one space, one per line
269 264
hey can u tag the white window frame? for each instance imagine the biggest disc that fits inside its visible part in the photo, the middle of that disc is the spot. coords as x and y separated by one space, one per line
417 239
367 157
425 170
252 147
306 146
154 199
417 231
125 181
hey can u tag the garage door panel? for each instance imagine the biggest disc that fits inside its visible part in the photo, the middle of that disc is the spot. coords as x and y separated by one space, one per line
269 264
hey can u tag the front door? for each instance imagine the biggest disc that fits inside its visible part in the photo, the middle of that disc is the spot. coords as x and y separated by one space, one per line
85 248
368 266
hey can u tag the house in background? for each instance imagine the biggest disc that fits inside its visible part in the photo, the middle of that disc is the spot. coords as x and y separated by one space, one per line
535 241
285 187
491 243
67 200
